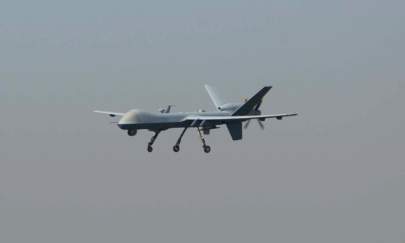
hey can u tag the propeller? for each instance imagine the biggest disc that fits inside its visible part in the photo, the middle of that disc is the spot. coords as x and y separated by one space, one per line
261 125
256 111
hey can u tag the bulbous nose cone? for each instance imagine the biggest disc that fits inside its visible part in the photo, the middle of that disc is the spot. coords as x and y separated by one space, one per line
128 119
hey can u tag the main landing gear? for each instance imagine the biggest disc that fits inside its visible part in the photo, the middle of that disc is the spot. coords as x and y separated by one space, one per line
176 147
152 140
206 148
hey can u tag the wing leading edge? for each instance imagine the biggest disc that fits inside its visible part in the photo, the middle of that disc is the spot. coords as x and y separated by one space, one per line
237 118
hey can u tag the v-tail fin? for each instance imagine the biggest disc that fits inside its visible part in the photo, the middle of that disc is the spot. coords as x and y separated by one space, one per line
252 102
215 98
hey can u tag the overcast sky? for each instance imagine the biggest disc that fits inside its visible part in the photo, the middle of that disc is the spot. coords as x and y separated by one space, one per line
335 173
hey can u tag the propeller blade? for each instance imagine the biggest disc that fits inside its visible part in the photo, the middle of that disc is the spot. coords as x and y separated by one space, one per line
247 124
261 124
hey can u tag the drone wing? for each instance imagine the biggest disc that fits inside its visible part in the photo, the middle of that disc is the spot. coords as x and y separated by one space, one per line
237 118
215 98
233 123
111 114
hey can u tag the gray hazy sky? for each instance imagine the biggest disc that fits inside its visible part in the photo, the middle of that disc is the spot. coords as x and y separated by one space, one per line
336 173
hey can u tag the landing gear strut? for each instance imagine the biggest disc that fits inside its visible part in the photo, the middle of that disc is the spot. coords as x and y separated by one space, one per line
206 148
152 140
176 147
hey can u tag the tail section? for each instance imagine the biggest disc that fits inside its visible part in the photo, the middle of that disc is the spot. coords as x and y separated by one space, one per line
252 102
235 129
215 98
251 106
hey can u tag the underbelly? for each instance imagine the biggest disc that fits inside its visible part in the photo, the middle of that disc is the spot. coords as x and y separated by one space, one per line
152 126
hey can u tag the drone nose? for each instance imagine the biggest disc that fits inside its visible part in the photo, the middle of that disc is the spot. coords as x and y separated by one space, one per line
121 123
127 119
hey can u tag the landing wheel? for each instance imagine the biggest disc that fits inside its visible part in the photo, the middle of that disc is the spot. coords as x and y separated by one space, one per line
150 149
132 132
207 149
176 148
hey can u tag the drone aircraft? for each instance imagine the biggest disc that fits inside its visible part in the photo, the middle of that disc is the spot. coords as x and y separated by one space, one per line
230 114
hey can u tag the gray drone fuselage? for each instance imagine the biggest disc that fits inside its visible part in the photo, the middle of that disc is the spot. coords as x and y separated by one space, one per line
137 119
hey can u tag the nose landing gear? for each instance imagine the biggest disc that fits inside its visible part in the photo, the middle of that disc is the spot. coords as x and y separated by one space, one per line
150 148
176 147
